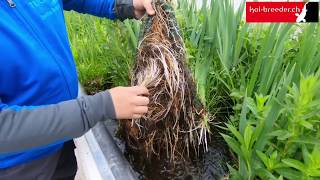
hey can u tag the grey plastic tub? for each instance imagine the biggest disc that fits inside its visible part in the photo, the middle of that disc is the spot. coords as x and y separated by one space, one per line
111 163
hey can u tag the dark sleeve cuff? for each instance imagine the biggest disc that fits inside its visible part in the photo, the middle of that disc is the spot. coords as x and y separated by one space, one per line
124 9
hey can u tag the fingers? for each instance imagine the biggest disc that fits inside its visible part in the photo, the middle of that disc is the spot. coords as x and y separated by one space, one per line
142 6
140 90
136 116
130 102
148 6
140 110
141 101
138 14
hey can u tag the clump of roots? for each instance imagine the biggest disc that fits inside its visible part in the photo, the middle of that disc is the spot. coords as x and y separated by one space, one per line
177 123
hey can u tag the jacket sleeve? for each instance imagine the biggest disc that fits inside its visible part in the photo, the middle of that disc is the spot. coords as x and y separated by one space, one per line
26 127
112 9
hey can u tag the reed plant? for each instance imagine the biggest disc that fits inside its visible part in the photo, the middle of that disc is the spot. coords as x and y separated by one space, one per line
260 81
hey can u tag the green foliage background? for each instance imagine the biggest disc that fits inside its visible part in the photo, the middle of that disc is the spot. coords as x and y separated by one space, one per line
262 79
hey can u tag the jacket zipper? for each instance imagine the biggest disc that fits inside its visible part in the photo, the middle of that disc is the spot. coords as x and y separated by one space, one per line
11 3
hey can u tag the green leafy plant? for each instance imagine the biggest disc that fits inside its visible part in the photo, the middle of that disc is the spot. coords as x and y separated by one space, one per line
103 55
263 79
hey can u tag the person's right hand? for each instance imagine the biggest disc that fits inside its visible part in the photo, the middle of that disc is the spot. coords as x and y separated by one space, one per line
130 102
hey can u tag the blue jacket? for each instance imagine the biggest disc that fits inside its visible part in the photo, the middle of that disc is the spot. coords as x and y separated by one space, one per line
36 63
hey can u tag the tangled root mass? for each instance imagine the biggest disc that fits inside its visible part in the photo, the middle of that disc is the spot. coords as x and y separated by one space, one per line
174 125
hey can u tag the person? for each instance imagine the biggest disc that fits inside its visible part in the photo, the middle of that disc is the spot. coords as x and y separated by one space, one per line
40 113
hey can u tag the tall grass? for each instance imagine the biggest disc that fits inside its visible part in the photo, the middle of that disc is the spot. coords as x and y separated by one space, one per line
257 66
102 50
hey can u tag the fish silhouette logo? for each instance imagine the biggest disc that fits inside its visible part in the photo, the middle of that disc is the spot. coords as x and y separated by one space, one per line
309 13
302 15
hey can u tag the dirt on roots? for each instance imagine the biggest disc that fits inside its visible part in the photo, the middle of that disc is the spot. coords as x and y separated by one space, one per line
176 123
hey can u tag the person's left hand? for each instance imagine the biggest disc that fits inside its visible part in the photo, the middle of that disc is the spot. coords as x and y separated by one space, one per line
142 6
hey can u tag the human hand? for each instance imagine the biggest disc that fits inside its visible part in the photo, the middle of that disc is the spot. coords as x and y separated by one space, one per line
130 102
142 6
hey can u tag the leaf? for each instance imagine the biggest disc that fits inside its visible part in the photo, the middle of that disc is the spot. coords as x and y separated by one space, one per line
265 174
201 75
280 134
235 175
307 140
264 158
289 173
279 165
235 132
248 136
306 124
252 105
261 100
294 164
306 155
274 111
314 172
133 37
274 156
243 118
233 144
236 94
258 130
